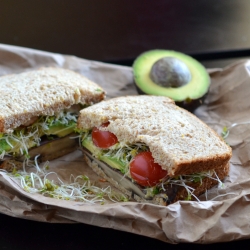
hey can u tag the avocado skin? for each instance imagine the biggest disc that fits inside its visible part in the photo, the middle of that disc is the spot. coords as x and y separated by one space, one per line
141 70
191 106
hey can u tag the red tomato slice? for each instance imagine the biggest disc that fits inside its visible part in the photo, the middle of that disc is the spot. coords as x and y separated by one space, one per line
145 171
103 139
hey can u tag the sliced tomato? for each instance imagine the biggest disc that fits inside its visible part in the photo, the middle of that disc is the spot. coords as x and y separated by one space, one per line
145 171
103 139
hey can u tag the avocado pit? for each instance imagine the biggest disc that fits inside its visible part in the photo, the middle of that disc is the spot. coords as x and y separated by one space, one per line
170 72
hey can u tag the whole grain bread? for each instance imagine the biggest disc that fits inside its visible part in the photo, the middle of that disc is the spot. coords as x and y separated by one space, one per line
45 91
179 141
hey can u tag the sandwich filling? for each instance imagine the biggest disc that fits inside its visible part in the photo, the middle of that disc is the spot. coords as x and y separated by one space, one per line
136 163
36 132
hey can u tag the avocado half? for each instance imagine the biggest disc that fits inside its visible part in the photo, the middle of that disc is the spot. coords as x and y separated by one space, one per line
172 74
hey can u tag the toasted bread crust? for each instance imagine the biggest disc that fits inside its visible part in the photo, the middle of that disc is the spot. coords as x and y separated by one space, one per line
45 91
178 140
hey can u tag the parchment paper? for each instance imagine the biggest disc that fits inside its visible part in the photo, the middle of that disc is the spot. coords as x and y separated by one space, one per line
225 216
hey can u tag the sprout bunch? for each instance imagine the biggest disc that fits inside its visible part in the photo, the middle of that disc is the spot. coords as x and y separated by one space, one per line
79 188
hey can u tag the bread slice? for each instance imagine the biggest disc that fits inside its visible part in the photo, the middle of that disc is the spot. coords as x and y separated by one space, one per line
43 92
179 141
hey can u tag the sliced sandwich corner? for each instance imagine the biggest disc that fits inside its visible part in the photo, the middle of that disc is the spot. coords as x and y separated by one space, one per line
151 149
39 110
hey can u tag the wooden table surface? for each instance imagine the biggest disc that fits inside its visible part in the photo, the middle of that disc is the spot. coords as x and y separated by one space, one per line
216 32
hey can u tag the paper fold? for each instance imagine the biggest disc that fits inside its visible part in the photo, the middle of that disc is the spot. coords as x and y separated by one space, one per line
225 217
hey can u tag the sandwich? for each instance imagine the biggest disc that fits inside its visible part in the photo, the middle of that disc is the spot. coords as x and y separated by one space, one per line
151 149
39 110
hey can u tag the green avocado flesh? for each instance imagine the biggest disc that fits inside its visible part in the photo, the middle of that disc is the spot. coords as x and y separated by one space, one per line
112 162
59 130
4 146
172 74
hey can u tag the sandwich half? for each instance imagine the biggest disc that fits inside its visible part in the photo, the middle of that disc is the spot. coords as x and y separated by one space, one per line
39 110
151 149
